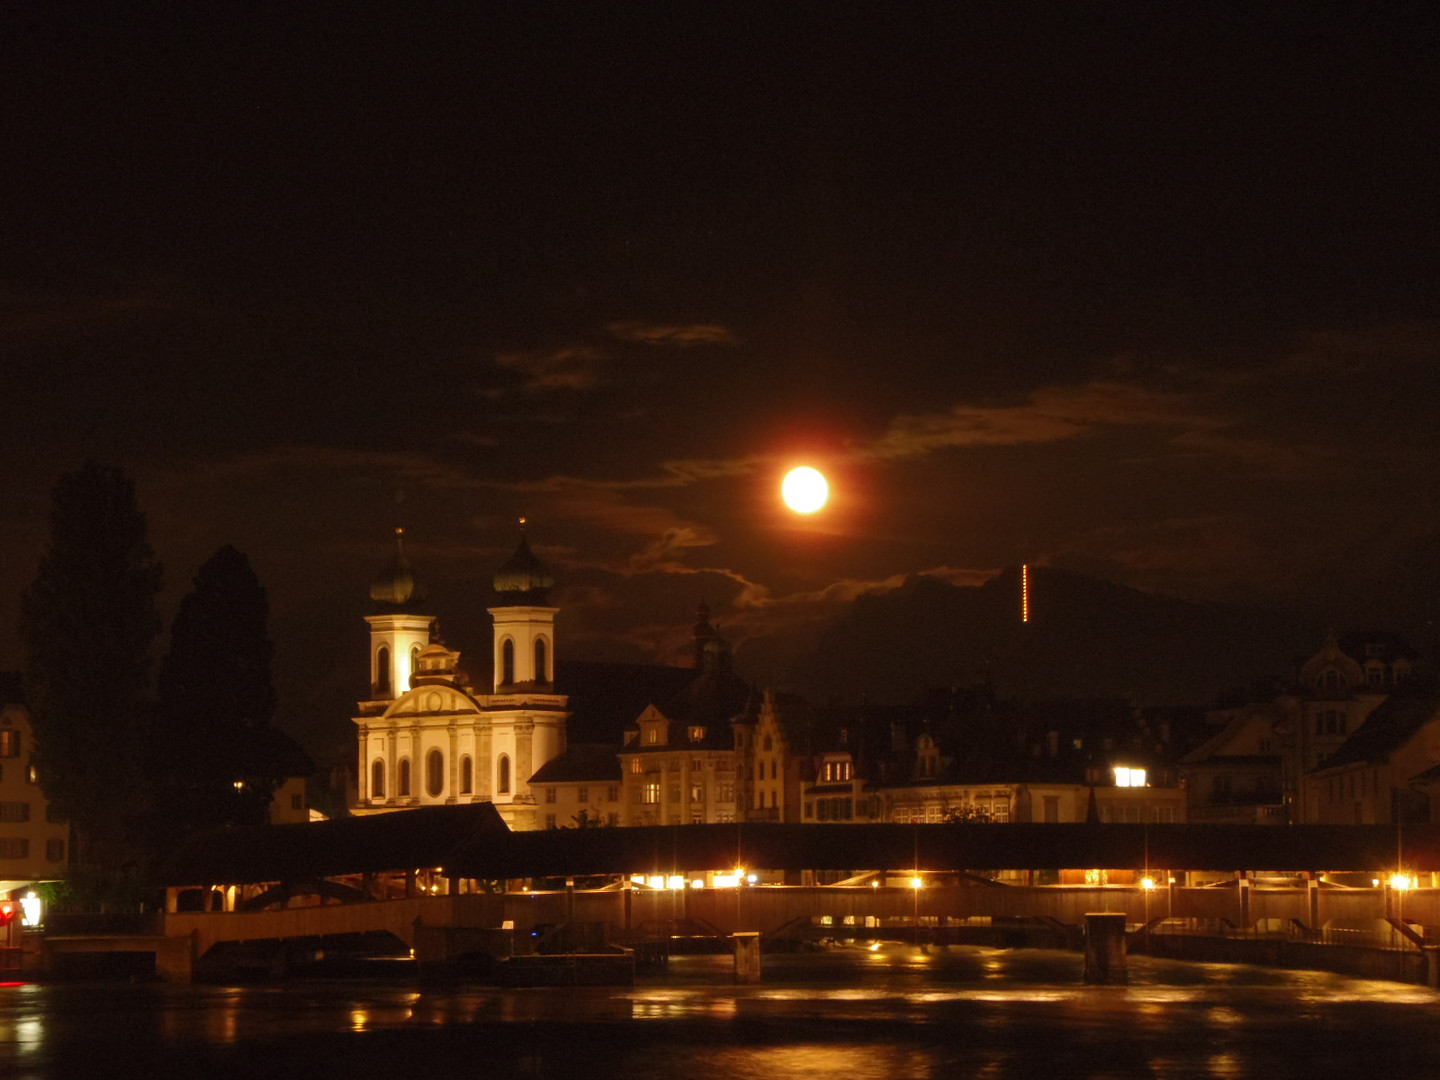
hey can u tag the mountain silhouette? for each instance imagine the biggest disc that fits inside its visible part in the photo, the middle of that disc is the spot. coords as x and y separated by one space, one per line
1085 638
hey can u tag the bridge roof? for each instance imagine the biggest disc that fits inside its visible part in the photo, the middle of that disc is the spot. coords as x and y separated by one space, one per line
682 848
415 839
472 841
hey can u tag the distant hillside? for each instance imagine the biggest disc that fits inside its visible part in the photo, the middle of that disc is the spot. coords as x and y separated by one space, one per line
1085 638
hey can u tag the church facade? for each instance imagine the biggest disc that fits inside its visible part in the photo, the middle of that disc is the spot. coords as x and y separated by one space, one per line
426 737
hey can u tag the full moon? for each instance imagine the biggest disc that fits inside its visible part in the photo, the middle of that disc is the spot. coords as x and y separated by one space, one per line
805 490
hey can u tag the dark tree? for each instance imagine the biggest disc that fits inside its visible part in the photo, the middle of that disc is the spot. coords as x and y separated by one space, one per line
214 751
89 623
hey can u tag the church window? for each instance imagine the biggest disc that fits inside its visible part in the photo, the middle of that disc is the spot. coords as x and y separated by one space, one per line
507 662
434 774
414 665
402 785
377 779
542 667
382 670
467 775
502 771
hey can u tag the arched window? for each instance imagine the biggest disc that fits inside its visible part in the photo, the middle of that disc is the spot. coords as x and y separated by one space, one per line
377 779
402 787
467 775
414 664
507 662
434 774
502 776
382 670
542 670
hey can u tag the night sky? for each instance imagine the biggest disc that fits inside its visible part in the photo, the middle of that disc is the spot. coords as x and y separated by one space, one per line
1150 291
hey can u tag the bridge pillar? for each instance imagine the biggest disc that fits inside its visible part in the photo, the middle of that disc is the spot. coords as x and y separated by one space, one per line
1105 948
747 956
1312 890
1244 892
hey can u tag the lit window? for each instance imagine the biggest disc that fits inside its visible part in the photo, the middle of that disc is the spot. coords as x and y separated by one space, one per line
1125 777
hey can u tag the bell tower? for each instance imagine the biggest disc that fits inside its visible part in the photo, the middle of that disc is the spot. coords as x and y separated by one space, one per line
397 636
524 623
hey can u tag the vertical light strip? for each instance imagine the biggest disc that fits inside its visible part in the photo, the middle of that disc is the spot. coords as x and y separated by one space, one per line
1024 592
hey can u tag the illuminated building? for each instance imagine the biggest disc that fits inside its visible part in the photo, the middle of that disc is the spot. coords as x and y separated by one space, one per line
1252 770
425 735
1387 772
34 842
680 760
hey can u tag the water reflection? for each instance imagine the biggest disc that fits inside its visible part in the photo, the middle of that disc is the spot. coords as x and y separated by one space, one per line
858 1014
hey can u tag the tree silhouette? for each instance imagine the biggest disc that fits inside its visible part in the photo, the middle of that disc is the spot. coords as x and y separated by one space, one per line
89 622
213 749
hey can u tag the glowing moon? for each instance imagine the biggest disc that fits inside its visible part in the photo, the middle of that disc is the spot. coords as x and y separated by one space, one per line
805 490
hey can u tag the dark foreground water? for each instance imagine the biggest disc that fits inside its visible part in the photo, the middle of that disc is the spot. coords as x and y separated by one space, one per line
848 1014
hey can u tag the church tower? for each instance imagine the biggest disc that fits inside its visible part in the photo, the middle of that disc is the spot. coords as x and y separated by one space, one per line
426 736
527 717
524 622
397 634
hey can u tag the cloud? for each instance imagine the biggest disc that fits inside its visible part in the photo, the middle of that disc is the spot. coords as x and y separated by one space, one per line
1051 415
574 367
680 336
23 316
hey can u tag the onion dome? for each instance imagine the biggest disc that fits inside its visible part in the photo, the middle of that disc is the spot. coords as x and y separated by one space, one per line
396 585
523 579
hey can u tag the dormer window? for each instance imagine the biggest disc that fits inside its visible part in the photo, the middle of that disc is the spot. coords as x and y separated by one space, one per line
697 734
652 735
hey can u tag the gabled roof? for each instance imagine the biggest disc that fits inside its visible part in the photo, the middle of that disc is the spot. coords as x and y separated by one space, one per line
427 836
581 762
1393 722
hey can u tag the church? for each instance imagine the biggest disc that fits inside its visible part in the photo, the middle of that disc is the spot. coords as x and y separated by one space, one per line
428 738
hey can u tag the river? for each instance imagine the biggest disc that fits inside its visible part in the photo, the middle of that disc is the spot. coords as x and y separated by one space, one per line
850 1013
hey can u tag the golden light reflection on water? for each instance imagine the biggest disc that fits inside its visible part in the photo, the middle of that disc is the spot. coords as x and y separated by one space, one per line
800 1061
681 1005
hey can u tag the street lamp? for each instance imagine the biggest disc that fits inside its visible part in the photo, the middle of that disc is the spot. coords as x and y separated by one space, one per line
916 884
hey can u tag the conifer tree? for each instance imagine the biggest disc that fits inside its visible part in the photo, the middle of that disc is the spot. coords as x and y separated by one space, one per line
89 623
216 698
